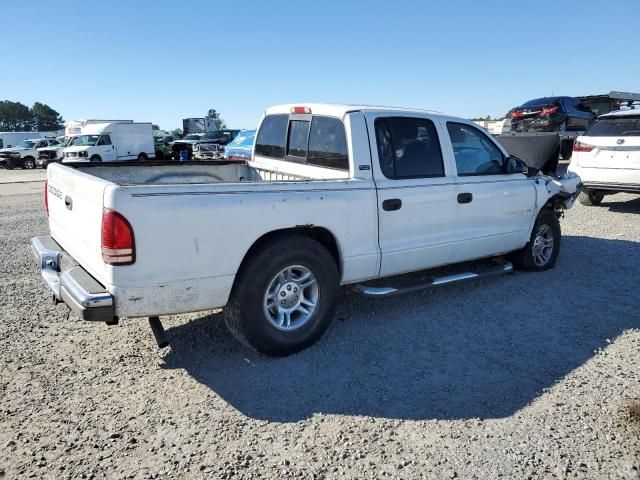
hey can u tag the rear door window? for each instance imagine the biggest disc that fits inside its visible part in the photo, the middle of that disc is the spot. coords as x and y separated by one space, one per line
272 137
615 127
408 148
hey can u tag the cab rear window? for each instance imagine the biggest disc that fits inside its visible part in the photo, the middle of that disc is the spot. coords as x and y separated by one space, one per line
272 137
615 127
320 142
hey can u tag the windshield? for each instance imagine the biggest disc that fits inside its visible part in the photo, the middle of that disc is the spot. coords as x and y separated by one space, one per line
58 142
192 137
26 144
218 134
85 140
615 127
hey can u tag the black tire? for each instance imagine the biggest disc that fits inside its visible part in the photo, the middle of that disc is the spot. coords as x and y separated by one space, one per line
95 159
11 164
590 198
525 259
142 157
566 149
245 313
29 163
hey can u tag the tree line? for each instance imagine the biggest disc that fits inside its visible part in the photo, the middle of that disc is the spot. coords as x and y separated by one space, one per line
17 117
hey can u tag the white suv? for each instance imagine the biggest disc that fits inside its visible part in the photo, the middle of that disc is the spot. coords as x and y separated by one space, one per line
607 156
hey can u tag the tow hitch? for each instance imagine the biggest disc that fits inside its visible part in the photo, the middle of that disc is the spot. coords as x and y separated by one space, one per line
159 332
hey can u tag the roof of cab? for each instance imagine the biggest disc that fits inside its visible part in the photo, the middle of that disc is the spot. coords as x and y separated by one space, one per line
621 113
339 110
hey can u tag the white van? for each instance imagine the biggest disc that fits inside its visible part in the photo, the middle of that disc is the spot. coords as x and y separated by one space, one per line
111 142
74 128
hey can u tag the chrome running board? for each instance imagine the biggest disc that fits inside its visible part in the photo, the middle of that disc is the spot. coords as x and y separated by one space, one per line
434 282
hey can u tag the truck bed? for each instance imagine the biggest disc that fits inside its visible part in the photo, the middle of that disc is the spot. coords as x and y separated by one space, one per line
193 223
191 173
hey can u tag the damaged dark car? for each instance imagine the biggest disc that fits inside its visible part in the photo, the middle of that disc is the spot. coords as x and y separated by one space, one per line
551 114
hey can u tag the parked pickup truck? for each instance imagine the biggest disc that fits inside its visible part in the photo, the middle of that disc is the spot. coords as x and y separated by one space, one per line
24 154
333 195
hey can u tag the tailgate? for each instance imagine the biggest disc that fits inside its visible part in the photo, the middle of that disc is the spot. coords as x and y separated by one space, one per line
75 215
611 153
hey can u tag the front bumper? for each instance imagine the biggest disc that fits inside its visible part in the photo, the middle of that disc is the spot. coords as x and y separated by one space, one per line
208 155
70 283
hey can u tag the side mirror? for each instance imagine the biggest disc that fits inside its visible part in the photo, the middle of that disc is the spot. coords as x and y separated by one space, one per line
516 165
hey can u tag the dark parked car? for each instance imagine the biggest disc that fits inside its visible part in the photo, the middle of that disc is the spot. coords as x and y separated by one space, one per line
551 114
220 137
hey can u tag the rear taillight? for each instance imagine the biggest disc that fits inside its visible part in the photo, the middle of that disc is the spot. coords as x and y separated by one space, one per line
45 198
118 245
549 110
581 147
517 114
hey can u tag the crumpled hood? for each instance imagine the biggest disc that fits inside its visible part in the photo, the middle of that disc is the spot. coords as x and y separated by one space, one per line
566 187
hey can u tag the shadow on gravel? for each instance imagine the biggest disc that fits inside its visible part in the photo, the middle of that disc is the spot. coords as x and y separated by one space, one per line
486 349
630 206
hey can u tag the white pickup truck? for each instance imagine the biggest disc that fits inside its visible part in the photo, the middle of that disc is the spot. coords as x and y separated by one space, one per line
334 195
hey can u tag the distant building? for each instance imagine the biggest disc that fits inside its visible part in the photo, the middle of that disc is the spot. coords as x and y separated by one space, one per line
495 127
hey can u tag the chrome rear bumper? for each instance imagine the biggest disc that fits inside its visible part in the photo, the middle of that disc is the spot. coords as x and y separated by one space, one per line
70 283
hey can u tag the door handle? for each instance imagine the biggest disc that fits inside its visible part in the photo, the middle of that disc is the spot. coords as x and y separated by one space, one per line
465 198
391 204
68 202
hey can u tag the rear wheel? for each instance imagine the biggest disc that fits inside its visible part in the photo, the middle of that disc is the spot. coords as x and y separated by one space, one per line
95 159
590 198
142 157
544 245
284 296
29 163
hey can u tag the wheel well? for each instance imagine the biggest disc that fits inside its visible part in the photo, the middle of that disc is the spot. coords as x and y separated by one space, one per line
320 234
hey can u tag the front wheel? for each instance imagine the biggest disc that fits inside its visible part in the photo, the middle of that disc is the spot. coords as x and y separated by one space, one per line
284 296
29 163
95 159
544 245
590 198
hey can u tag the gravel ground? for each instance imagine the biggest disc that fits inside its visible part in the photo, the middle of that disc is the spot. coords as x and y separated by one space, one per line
521 376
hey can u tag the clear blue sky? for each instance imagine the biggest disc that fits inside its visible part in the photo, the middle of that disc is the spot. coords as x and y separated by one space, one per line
161 61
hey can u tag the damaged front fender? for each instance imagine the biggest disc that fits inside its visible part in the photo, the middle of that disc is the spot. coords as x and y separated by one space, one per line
558 192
